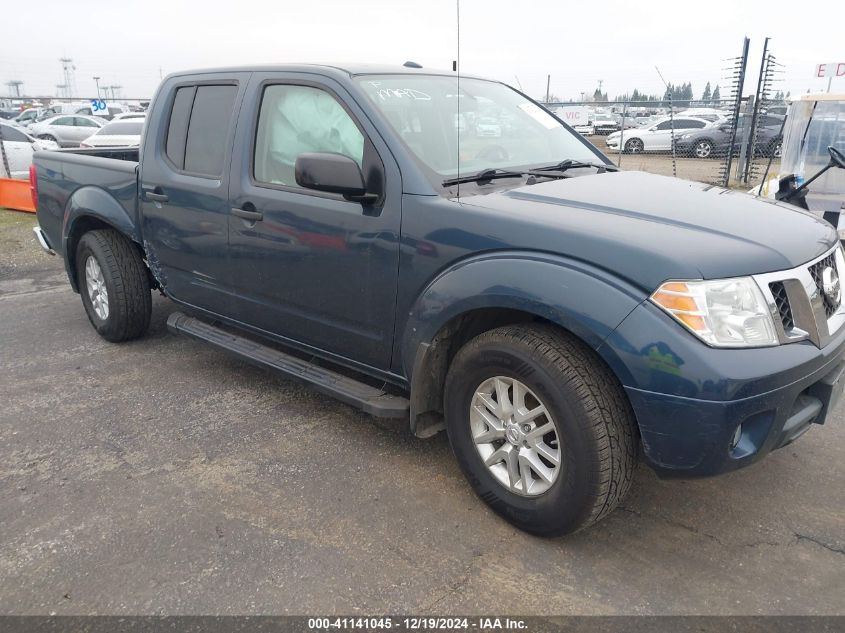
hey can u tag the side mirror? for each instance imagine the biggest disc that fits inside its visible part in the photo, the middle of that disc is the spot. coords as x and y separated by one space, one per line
837 158
332 173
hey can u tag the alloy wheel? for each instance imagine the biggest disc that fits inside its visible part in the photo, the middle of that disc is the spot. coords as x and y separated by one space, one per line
96 286
515 436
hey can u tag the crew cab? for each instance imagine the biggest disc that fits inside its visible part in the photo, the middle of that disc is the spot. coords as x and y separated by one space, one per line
557 317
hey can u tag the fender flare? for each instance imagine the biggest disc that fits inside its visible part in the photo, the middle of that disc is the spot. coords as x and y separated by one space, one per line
93 203
585 300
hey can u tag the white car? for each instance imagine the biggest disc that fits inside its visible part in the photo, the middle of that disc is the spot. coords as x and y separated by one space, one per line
20 147
585 130
656 137
122 133
123 116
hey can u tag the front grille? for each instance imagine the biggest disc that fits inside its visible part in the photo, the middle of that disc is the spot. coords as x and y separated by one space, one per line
782 303
798 304
816 271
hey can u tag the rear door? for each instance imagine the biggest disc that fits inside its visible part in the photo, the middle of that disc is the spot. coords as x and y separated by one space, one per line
184 183
308 266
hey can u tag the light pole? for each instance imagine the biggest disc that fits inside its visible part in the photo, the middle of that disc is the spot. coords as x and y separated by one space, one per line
97 81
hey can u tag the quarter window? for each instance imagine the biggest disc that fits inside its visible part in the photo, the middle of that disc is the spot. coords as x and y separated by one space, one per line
297 119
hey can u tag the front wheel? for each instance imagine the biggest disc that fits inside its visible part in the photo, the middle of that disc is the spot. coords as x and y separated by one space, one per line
540 427
634 146
114 285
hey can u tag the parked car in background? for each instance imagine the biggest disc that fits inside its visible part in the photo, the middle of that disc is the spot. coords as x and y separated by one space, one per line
123 116
19 147
488 126
66 130
28 116
656 137
586 129
604 125
715 139
124 133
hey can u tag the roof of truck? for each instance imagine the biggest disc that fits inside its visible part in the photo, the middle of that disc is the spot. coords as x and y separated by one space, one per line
347 69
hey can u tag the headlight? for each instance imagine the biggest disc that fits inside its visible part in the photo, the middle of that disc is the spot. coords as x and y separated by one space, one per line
722 312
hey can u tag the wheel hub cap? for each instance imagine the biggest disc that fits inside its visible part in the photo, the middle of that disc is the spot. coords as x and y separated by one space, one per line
96 286
515 436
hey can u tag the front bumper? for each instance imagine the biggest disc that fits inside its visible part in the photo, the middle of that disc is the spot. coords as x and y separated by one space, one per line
690 400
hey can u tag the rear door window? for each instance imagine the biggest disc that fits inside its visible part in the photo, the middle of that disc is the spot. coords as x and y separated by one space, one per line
177 131
208 128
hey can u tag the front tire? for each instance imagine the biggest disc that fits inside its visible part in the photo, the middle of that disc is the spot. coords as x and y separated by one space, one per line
114 285
634 146
533 398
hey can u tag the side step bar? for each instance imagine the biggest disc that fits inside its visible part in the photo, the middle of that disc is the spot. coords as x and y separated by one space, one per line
373 400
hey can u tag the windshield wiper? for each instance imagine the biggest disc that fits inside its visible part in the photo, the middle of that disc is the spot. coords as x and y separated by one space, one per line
485 175
572 164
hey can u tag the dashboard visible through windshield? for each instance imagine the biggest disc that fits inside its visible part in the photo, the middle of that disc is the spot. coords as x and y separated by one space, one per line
482 125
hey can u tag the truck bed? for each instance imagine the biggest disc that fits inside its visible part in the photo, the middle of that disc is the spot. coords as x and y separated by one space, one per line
69 180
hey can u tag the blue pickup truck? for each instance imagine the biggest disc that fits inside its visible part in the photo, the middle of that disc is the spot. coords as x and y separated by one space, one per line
357 229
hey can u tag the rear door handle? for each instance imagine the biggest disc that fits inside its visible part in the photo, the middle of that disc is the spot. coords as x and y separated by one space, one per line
155 195
252 216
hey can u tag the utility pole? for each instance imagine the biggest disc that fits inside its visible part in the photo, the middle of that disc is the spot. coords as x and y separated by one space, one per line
67 70
14 86
97 81
548 84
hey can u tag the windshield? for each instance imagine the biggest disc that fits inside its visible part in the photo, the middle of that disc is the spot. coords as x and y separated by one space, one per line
121 128
810 128
494 125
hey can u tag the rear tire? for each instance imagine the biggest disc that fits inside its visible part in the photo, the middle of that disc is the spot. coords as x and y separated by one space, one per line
703 149
592 437
114 285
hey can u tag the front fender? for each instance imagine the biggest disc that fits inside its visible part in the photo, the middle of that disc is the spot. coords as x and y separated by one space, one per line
583 299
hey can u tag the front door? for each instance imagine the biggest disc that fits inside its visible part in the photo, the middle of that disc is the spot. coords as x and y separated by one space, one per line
305 264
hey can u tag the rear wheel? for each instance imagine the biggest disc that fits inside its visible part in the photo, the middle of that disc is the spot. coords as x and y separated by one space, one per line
634 146
540 427
114 285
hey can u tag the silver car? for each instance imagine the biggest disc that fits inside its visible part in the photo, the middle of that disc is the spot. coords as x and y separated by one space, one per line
68 130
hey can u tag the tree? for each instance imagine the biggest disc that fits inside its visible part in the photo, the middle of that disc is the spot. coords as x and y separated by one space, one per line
706 95
716 96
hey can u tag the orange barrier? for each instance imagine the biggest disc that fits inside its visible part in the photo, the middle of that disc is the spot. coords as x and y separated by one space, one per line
14 194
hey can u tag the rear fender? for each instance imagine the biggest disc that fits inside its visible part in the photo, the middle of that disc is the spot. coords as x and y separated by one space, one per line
90 208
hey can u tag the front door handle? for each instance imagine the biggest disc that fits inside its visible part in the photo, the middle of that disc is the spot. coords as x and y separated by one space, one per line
246 214
155 195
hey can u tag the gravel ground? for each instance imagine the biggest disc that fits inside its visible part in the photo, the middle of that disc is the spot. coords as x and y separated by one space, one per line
163 477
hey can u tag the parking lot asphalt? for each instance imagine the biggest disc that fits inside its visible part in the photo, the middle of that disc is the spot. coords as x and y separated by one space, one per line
163 477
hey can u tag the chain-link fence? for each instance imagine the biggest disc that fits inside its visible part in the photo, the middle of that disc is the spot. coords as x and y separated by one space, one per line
706 141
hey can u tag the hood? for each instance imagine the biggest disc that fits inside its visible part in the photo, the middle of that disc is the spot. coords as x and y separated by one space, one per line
648 228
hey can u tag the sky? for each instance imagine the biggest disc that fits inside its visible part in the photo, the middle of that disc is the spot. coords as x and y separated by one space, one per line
134 43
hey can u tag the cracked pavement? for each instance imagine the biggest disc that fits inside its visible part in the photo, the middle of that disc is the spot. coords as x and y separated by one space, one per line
162 477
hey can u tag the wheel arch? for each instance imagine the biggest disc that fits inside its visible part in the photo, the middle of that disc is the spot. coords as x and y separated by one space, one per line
505 289
91 209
